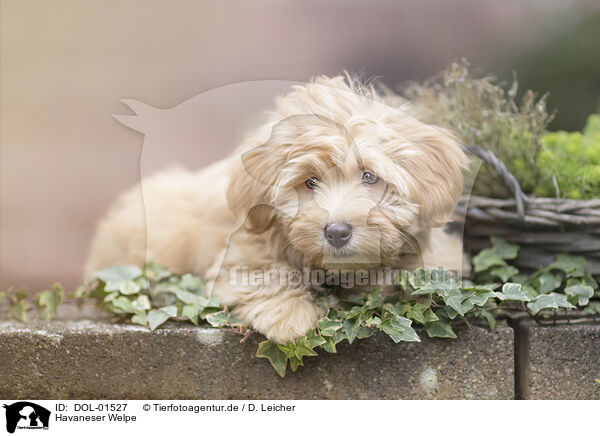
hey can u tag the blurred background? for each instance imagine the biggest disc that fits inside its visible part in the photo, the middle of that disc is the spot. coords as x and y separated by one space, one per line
66 64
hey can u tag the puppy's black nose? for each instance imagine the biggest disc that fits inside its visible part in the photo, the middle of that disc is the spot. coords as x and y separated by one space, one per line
338 234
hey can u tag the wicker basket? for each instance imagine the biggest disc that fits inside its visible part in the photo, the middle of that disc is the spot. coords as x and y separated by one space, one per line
541 226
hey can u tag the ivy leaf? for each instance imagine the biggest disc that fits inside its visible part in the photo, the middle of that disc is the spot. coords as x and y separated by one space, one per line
311 339
218 319
191 283
549 301
351 328
295 363
129 287
399 329
455 300
481 297
375 299
582 292
513 291
504 249
19 310
140 318
289 349
396 308
440 329
365 332
328 327
115 276
269 350
572 266
155 272
486 259
480 288
329 345
302 350
141 303
489 318
549 282
48 301
430 315
190 312
159 316
122 304
505 272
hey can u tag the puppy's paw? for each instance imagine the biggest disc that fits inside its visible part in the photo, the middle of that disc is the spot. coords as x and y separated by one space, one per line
288 320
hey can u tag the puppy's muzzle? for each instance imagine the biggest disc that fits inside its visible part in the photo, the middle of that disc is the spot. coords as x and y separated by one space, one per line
338 234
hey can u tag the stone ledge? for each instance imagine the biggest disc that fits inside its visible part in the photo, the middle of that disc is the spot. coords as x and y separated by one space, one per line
83 359
559 362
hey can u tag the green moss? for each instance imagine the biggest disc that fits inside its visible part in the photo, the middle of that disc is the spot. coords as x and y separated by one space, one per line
481 112
569 163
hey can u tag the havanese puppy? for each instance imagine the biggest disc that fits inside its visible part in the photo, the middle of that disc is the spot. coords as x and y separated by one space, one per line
336 180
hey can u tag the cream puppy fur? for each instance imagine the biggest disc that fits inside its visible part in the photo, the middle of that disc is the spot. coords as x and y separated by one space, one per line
336 179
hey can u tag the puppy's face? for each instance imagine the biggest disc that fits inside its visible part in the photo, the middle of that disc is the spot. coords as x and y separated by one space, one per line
352 186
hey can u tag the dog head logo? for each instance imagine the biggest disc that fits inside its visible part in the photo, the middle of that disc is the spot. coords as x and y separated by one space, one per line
26 415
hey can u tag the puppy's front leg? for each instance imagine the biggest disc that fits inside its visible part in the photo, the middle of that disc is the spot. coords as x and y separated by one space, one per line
280 311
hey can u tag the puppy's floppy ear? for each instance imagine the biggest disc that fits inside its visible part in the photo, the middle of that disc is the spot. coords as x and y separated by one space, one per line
437 172
250 190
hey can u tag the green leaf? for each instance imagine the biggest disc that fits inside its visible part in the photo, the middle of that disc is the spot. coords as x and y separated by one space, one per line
437 286
489 318
582 292
159 316
141 303
156 272
311 339
396 308
2 296
269 350
328 327
505 272
218 319
289 349
140 318
19 310
191 283
486 259
190 312
375 299
115 276
122 304
572 266
351 328
365 332
481 297
481 288
440 329
455 300
295 363
548 282
513 291
504 249
302 350
399 329
129 287
329 345
48 301
549 301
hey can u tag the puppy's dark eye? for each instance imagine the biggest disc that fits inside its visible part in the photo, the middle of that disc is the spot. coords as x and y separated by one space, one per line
369 178
311 183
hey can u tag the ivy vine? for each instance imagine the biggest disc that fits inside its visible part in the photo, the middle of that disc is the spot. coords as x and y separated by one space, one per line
434 301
